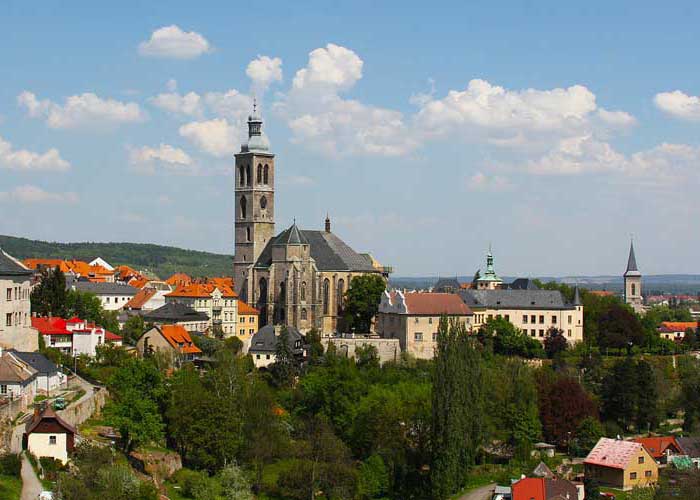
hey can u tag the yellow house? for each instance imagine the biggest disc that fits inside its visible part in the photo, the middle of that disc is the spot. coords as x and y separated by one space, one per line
621 464
247 320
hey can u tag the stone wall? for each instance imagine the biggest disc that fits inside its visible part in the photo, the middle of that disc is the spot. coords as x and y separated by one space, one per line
387 349
89 405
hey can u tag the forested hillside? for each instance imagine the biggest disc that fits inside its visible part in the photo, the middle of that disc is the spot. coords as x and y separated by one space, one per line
160 260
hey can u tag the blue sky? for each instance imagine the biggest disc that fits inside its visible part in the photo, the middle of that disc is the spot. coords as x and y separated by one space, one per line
552 131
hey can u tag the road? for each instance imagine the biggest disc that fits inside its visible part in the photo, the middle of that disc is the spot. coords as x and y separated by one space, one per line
483 493
31 487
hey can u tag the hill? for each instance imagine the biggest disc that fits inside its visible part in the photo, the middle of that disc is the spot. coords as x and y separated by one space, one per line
162 261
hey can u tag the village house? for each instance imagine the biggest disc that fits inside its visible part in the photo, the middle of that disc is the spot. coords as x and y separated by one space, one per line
74 269
15 307
148 298
48 435
220 304
173 340
690 447
18 380
676 330
113 296
175 313
263 345
413 318
621 464
539 488
661 448
48 375
74 336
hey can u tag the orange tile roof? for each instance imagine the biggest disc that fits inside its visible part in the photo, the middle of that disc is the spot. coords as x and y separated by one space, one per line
75 266
179 279
436 304
529 488
245 308
141 297
680 326
126 272
139 282
657 446
52 263
201 290
601 293
225 281
177 336
112 337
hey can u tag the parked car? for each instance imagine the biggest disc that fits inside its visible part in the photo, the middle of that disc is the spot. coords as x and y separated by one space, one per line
59 404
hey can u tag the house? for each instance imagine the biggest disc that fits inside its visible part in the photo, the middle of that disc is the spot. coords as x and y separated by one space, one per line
148 298
74 336
675 330
690 447
179 280
48 435
621 464
113 296
539 488
263 345
18 380
15 308
74 269
48 376
175 313
172 340
661 448
247 321
414 317
219 303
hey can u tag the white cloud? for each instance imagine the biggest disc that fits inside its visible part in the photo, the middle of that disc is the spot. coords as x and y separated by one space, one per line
616 118
171 42
231 104
576 155
483 182
216 137
165 156
34 194
264 70
332 66
678 104
21 159
188 104
84 110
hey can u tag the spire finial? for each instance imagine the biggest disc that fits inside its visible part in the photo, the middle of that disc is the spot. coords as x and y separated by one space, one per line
255 104
328 223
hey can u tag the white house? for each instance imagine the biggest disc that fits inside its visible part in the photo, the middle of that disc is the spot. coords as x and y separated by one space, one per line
48 376
113 296
18 380
15 286
48 435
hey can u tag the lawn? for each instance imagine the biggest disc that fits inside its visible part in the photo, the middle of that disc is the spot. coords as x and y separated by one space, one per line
10 487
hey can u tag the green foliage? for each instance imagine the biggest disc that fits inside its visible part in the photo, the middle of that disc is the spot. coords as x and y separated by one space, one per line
366 356
133 329
49 297
555 342
286 366
234 485
161 260
10 465
629 395
508 340
315 351
690 393
587 434
373 480
458 408
362 301
591 487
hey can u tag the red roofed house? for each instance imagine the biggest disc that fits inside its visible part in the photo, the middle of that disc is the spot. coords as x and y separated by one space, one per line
621 464
48 435
173 340
74 336
660 447
413 318
675 330
538 488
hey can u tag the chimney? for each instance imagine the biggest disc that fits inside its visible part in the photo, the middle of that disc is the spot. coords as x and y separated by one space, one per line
328 224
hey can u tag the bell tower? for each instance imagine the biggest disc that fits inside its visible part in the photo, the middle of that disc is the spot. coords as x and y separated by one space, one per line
633 282
254 195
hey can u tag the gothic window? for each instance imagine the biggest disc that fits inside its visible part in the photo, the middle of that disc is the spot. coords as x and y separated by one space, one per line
283 292
326 295
303 314
247 176
634 289
341 292
247 234
303 291
241 175
243 207
259 178
266 172
263 203
262 301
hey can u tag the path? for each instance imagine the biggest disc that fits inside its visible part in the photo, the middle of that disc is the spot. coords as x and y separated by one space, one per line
31 487
483 493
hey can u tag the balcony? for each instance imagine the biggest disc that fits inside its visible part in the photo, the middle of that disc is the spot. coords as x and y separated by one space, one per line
216 321
216 309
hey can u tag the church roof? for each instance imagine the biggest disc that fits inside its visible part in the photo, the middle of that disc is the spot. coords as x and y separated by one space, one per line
514 299
9 266
328 251
632 263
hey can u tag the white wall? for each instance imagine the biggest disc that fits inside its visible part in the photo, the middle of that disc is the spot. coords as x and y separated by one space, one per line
38 445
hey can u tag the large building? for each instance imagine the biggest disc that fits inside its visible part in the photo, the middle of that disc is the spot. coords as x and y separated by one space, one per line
633 282
296 278
15 308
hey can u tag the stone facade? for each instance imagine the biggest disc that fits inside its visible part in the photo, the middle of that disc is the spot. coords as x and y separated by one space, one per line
633 283
15 309
388 350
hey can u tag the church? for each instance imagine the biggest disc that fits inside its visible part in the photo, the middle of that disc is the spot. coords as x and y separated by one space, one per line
297 277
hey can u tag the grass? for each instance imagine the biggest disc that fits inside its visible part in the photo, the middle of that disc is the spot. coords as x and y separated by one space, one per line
619 494
173 492
10 487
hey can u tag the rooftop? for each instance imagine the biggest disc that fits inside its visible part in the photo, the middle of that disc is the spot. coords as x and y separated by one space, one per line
613 453
176 313
514 299
9 266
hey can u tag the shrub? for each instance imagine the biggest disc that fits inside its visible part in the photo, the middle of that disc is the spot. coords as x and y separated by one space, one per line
192 483
10 465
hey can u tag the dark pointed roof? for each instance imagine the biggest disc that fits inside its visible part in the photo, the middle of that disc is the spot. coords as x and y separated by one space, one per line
265 340
291 236
632 263
9 266
577 297
174 312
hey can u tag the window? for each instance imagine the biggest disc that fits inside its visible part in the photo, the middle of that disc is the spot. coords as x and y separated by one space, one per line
633 475
303 314
525 318
303 291
267 356
326 295
242 332
52 439
241 175
554 320
507 317
533 319
263 203
266 171
257 356
248 178
435 337
640 460
9 294
243 207
259 179
490 317
647 473
341 295
541 319
8 319
418 337
569 318
541 333
107 300
568 333
430 321
532 333
634 289
247 234
415 320
3 389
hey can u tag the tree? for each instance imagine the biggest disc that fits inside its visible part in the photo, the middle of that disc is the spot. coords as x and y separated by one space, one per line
586 436
362 301
630 395
315 351
508 340
647 397
49 297
373 481
367 356
591 487
133 329
286 365
458 408
619 327
689 372
234 485
555 342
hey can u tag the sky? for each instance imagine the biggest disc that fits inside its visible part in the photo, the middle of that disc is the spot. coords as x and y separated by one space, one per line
550 131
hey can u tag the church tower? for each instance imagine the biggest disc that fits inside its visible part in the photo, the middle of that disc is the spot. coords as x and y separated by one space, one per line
633 281
254 202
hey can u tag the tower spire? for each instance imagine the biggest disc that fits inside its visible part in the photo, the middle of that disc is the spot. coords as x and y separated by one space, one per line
632 269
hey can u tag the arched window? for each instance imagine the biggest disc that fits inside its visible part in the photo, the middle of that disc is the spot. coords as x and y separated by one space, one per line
262 301
243 207
266 174
303 314
241 175
259 178
634 289
247 234
248 178
326 295
283 292
341 293
303 291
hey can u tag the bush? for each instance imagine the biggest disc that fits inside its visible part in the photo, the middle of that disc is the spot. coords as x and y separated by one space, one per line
51 467
10 465
192 483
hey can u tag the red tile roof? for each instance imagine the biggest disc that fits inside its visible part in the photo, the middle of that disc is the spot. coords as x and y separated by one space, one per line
613 453
436 304
112 337
51 326
529 488
179 279
657 446
601 293
179 338
141 297
245 308
201 290
679 326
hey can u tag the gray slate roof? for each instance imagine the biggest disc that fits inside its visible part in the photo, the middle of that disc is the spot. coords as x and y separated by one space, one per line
9 266
36 360
632 263
447 285
265 340
514 299
689 446
330 252
523 284
174 312
291 236
102 288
